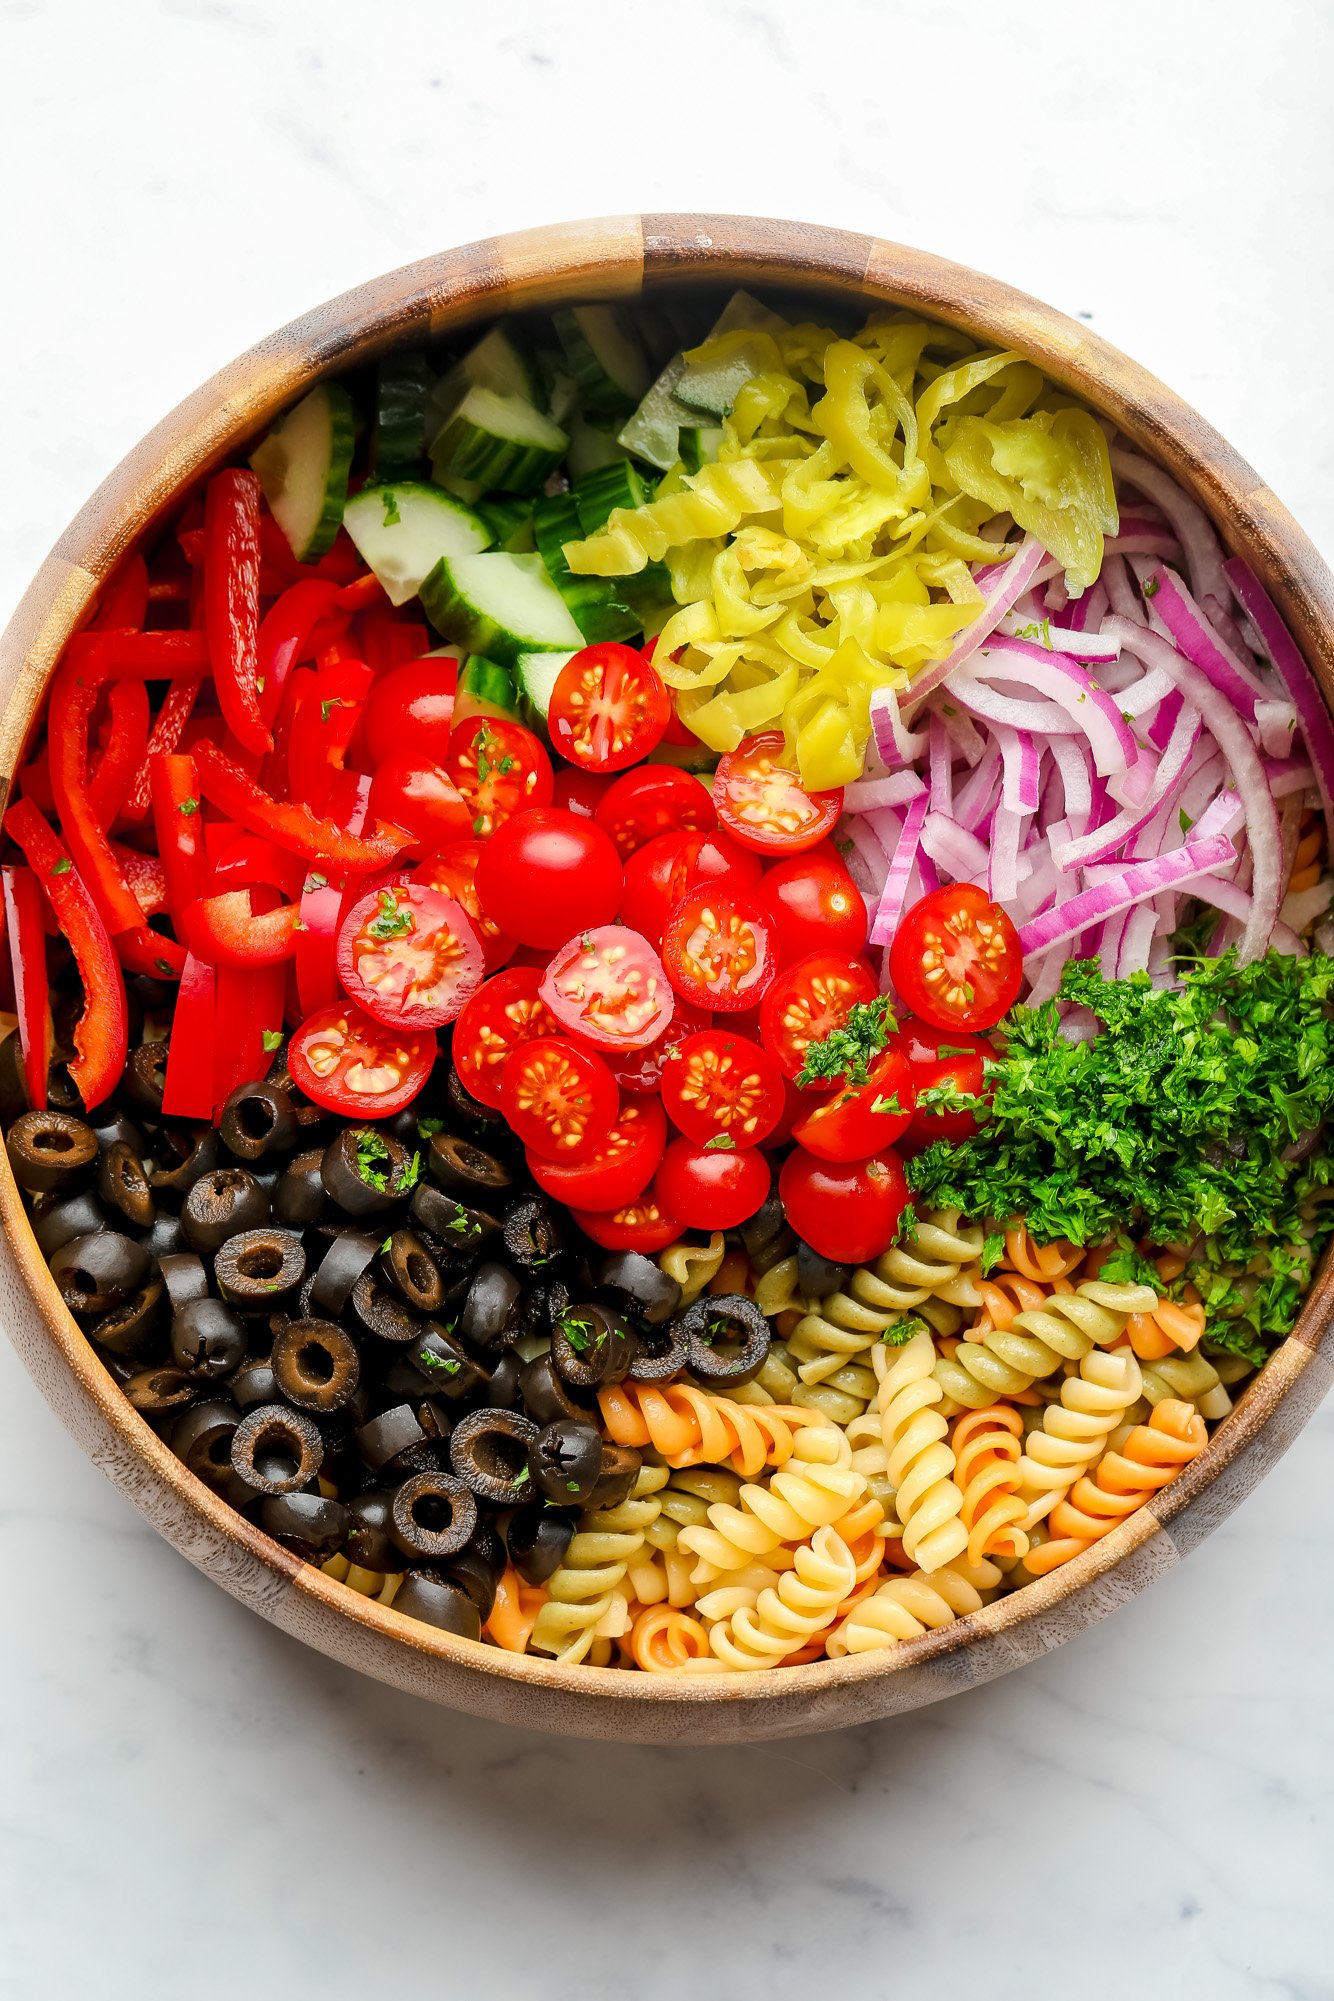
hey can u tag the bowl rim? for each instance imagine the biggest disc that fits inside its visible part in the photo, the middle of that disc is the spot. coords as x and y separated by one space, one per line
619 258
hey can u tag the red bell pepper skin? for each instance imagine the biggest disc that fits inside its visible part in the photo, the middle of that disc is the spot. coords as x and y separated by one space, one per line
32 991
94 657
72 701
322 727
101 1035
284 636
35 783
292 825
178 822
228 930
126 748
124 604
163 738
361 594
321 908
192 1050
231 602
147 878
249 1007
386 640
240 860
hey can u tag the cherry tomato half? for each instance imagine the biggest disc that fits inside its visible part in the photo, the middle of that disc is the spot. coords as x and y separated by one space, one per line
454 873
618 1169
607 987
956 959
546 874
659 874
762 802
719 949
413 705
712 1187
943 1056
858 1120
357 1067
408 956
816 904
657 799
608 709
409 791
809 1001
642 1225
558 1099
848 1213
504 1012
717 1082
499 768
643 1069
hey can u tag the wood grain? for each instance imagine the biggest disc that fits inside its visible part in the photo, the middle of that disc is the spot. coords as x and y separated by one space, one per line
617 258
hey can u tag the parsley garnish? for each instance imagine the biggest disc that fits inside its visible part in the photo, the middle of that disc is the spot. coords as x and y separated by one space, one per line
386 1244
993 1250
392 517
521 1478
272 1038
188 807
1184 821
1150 587
1125 1266
62 867
887 1104
578 1333
316 881
847 1051
371 1152
1040 633
391 921
428 1359
462 1225
900 1331
947 1097
427 1127
411 1174
720 1143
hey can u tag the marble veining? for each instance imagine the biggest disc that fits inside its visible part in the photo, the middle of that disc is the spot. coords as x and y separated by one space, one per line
191 1801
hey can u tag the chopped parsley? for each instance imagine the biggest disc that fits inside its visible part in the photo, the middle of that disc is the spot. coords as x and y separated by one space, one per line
993 1250
427 1128
386 1245
391 920
1150 587
62 867
947 1097
720 1143
847 1051
428 1359
1125 1266
888 1103
900 1332
1040 633
463 1225
372 1153
411 1174
272 1038
392 517
1184 821
188 807
316 881
581 1335
522 1477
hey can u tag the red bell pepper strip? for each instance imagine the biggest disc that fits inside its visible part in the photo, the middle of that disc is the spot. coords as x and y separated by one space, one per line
124 603
231 602
101 1034
94 657
126 748
241 860
322 729
147 878
32 991
386 640
361 593
192 1050
284 636
164 737
228 930
321 908
72 702
249 1007
179 824
290 824
35 783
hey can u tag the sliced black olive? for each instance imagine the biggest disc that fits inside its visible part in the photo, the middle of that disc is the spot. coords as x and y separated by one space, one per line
165 1238
590 1344
184 1276
58 1219
309 1524
207 1338
257 1268
545 1397
182 1155
534 1238
62 1093
537 1538
462 1231
277 1450
408 1266
433 1516
115 1127
639 1286
767 1226
660 1353
123 1182
98 1272
221 1203
203 1436
13 1082
488 1318
384 1439
727 1339
299 1197
49 1150
620 1470
565 1460
445 1363
436 1602
382 1312
254 1383
315 1364
367 1542
489 1452
160 1389
464 1170
818 1277
467 1115
475 1569
146 1076
257 1119
502 1386
543 1304
128 1328
341 1266
363 1170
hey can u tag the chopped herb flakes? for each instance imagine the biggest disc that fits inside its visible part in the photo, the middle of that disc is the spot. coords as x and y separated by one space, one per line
391 920
847 1051
372 1154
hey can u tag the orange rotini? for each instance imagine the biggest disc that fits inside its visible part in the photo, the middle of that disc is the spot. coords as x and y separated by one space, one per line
1045 1261
986 1451
662 1638
515 1611
1123 1480
692 1427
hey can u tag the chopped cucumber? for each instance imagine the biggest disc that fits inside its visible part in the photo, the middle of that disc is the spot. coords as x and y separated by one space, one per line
598 609
303 466
712 388
469 491
535 675
500 605
606 358
403 528
499 361
500 440
510 523
615 485
653 432
591 448
398 442
699 445
485 689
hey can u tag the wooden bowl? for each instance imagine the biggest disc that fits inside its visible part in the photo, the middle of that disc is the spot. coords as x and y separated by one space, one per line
618 259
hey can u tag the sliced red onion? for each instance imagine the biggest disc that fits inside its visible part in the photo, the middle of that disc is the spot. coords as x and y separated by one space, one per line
896 790
1002 585
886 920
1220 894
1142 538
1086 614
1020 767
940 764
1233 738
1223 815
1071 760
979 792
1288 775
867 863
1096 845
1194 636
1129 886
1062 682
1301 907
1145 693
887 826
1299 682
1122 599
1044 717
1007 831
1188 521
1081 645
1137 941
896 743
960 854
963 731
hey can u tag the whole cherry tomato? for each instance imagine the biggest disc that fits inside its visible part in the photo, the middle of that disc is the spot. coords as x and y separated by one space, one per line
652 800
816 904
546 874
659 874
848 1213
712 1187
410 792
411 705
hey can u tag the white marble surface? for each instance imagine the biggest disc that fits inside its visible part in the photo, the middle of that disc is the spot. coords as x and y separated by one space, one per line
190 1802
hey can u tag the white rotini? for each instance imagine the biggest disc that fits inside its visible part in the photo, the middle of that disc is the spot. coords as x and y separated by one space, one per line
663 1570
1074 1432
919 1464
585 1598
1004 1362
934 1269
693 1266
841 1396
777 1290
902 1607
814 1489
786 1614
1190 1379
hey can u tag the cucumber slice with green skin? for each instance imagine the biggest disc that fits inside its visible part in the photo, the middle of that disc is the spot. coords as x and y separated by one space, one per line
699 445
303 466
470 491
500 361
398 443
500 440
591 449
653 432
402 528
485 689
598 609
499 605
713 389
535 675
606 358
510 523
617 485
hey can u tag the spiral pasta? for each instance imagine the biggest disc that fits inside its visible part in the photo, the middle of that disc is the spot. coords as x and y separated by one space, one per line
1074 1431
786 1614
515 1611
986 1454
934 1267
662 1639
1124 1479
693 1427
367 1583
1004 1360
584 1602
1191 1379
902 1607
693 1266
816 1486
918 1461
